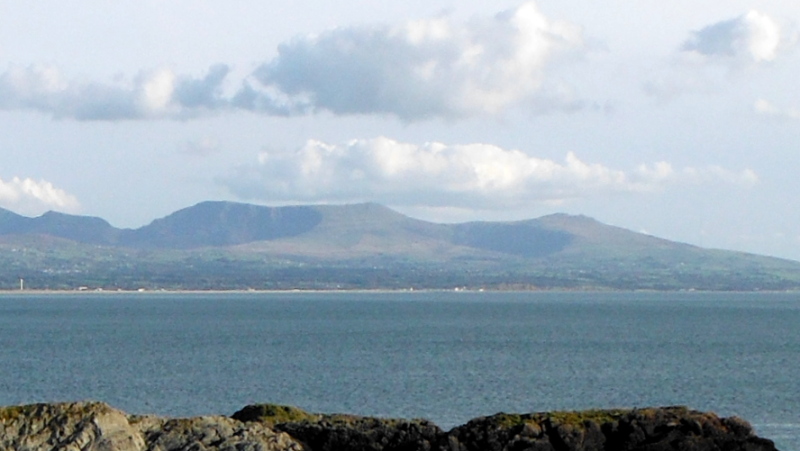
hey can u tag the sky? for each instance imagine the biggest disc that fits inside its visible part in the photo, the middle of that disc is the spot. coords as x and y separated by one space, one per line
680 119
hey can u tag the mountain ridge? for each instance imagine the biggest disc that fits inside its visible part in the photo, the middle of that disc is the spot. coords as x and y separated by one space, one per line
219 244
226 223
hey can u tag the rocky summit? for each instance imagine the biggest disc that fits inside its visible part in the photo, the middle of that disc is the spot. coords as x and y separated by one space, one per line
94 426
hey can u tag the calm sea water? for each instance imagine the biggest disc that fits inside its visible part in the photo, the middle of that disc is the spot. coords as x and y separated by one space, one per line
443 356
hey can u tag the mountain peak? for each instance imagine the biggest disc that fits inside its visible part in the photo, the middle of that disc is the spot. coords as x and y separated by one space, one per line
369 245
222 223
567 218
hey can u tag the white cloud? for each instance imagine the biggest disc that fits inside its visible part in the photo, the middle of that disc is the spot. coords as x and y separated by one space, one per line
662 173
709 57
415 70
28 196
752 38
149 95
766 108
480 176
156 91
420 69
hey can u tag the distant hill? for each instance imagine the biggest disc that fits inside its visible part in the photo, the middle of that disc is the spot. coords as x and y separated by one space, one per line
222 224
82 229
226 245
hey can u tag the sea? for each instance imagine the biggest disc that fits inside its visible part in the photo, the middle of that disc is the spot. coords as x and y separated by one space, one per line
444 356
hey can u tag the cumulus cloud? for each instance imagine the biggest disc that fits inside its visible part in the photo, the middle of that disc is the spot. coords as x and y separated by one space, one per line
28 196
480 176
419 69
722 48
152 94
766 108
414 70
752 38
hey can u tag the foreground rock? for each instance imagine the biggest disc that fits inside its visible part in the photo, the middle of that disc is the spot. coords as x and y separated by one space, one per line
346 432
90 426
654 429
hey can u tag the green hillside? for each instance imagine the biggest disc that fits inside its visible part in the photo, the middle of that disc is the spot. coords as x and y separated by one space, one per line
224 245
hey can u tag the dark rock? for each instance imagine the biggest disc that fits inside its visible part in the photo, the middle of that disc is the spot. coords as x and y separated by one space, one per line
90 426
653 429
346 432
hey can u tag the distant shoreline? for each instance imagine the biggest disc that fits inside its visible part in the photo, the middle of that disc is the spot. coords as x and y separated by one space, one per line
368 290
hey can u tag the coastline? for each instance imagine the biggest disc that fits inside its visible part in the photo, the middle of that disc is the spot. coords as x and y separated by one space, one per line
98 426
371 290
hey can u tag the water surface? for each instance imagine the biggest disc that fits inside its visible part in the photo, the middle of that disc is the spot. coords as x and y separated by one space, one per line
443 356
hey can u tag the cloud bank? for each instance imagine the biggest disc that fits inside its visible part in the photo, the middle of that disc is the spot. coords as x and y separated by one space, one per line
28 196
477 176
416 70
752 38
150 95
419 69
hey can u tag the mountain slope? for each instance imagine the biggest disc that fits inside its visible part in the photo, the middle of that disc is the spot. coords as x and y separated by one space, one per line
528 239
83 229
232 245
362 231
222 224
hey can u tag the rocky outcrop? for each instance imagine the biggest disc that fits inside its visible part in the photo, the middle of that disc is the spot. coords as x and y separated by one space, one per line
654 429
91 426
346 432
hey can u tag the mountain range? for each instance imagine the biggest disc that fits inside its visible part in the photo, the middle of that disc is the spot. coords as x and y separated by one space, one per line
226 245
